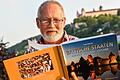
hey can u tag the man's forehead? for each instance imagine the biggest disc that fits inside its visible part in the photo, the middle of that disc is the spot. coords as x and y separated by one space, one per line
47 5
51 7
52 10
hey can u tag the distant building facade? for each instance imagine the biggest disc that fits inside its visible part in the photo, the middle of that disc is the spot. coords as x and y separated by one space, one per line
98 12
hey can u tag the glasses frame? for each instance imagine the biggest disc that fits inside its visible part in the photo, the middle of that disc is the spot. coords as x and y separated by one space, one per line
47 22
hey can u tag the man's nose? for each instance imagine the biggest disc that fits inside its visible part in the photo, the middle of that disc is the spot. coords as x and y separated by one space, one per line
51 24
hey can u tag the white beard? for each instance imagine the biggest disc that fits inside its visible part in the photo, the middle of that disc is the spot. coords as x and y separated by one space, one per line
52 38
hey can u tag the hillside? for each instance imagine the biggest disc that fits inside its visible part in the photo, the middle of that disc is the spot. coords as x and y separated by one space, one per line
22 45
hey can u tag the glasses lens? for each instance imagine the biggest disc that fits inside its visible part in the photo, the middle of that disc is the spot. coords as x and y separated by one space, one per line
48 21
45 22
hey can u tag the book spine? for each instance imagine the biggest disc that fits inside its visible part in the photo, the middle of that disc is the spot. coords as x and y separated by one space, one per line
64 67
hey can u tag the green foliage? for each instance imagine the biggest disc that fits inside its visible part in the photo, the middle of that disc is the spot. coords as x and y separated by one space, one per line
76 20
91 26
104 18
21 52
20 48
118 58
118 12
119 45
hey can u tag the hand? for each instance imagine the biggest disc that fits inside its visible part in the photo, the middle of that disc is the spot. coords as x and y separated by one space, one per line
63 78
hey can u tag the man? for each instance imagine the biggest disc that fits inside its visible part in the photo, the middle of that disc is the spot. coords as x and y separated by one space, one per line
51 22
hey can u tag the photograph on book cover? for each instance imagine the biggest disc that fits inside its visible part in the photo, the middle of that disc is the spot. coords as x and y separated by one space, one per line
35 66
93 58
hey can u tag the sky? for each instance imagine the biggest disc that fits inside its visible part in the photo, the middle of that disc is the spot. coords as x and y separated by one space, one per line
17 17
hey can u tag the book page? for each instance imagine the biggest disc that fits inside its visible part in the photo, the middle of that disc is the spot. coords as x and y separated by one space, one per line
39 65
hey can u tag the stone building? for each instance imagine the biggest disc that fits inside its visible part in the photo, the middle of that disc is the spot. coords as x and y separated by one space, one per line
98 12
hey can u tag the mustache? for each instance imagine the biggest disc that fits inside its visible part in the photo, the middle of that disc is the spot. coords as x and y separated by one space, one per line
51 30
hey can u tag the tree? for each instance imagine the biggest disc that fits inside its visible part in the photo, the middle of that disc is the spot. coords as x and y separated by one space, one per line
3 55
91 26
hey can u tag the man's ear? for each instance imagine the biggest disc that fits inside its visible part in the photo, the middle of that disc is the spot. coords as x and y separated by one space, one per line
38 22
64 21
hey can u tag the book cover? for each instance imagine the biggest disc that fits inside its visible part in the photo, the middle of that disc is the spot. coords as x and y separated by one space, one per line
83 59
39 65
92 58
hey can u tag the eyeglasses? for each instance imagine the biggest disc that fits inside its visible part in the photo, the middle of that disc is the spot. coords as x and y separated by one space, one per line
47 22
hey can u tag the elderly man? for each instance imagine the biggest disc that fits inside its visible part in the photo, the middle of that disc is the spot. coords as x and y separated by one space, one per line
51 22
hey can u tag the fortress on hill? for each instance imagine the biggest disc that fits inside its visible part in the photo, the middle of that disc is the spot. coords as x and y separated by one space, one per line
99 12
